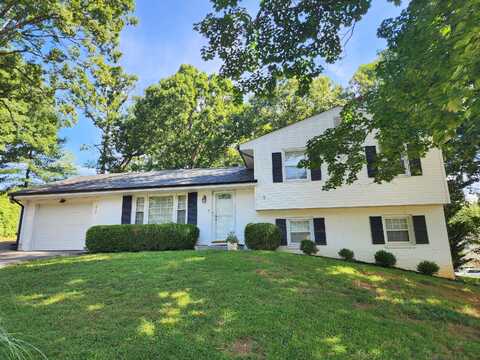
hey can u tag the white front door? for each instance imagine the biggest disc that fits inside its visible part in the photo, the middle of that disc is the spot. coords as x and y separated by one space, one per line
224 215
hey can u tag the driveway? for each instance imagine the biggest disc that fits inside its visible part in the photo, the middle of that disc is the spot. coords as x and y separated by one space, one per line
8 256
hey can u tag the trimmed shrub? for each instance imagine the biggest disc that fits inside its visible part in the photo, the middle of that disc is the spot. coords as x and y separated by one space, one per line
113 238
427 267
385 259
262 236
308 247
346 254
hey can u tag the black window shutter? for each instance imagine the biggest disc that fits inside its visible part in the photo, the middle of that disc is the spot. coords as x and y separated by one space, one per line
420 229
415 167
282 225
319 230
316 174
277 167
127 209
371 156
376 228
192 208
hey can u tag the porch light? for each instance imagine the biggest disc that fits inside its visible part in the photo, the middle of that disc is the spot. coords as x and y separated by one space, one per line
204 199
62 201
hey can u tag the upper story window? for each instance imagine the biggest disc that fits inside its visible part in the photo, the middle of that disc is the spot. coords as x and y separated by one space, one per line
292 171
398 229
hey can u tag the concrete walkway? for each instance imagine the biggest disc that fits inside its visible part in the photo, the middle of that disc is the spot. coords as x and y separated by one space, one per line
8 256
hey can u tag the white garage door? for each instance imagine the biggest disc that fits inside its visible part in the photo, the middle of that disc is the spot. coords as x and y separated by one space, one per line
61 226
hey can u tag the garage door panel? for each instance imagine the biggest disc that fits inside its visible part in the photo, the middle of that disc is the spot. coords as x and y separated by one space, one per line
61 226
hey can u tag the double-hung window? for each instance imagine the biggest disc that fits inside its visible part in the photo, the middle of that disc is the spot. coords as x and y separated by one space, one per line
139 210
160 209
398 229
299 230
181 209
292 171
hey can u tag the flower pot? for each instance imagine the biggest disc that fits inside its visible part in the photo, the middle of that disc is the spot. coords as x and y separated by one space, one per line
232 246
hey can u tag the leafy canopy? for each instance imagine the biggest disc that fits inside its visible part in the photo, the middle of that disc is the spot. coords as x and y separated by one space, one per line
425 93
52 40
286 105
102 96
187 120
284 39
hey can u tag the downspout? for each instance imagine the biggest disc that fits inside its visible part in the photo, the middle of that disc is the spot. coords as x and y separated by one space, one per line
19 222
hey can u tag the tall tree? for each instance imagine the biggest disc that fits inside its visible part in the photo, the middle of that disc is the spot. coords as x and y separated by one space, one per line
426 93
284 39
35 155
184 121
103 100
57 36
286 105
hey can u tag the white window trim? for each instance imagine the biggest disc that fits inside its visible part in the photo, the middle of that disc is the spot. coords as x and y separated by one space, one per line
310 224
411 233
146 205
406 166
284 166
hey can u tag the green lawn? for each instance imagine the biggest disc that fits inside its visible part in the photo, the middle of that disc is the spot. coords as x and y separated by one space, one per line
221 305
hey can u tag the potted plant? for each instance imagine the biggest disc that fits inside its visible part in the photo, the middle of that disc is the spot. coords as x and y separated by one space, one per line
232 241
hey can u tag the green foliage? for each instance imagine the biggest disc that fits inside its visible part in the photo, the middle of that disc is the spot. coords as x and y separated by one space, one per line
284 39
55 39
262 236
463 231
346 254
103 101
113 238
9 216
232 238
185 121
427 268
385 258
422 94
34 154
12 348
285 106
308 247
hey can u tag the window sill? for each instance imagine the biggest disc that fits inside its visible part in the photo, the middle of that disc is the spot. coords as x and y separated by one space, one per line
400 246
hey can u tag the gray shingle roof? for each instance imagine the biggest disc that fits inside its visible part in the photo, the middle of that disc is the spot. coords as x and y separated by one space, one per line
145 180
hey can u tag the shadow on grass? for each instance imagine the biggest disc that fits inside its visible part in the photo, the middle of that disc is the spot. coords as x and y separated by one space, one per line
217 305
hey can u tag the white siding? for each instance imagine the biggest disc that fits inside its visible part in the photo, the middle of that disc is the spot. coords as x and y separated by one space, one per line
430 188
350 228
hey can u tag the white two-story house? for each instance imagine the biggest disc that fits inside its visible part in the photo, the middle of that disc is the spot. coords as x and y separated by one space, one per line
404 216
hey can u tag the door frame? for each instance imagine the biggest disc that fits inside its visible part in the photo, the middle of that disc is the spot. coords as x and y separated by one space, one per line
214 212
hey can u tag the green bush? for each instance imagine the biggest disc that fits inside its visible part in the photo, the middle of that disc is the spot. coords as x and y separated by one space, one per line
427 267
385 259
113 238
308 247
262 236
9 216
346 254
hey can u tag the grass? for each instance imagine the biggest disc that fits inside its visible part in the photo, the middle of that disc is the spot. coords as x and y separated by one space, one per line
222 305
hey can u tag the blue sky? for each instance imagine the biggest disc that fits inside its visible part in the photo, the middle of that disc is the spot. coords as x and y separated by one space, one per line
164 39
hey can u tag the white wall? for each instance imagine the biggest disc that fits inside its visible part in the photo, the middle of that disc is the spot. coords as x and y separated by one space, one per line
430 188
345 227
350 228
